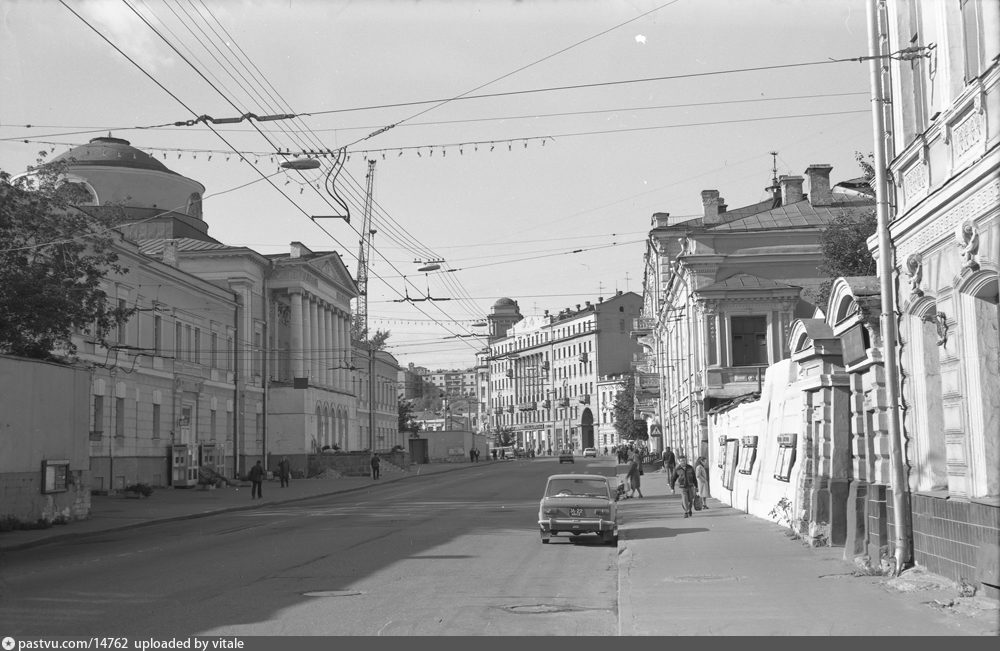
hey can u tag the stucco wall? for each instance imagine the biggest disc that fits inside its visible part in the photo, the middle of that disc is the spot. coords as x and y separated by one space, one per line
43 416
779 411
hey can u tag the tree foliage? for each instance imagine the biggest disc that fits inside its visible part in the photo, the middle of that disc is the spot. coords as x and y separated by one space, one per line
844 243
407 423
506 436
54 252
628 428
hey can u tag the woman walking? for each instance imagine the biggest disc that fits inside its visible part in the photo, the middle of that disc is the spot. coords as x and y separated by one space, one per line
701 474
634 471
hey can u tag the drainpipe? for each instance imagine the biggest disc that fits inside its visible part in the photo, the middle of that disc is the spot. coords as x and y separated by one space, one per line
886 266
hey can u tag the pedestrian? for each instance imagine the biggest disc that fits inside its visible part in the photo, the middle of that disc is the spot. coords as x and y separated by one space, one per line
376 466
701 473
493 451
256 477
472 455
669 464
634 472
685 477
284 471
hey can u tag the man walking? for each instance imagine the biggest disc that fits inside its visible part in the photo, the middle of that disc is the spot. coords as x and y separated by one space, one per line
685 477
256 477
284 471
376 466
669 464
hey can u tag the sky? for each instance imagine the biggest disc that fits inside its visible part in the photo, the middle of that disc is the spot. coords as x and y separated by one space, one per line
522 145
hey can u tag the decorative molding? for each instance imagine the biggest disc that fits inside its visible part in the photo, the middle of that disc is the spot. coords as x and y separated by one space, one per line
938 225
967 134
915 181
914 269
967 238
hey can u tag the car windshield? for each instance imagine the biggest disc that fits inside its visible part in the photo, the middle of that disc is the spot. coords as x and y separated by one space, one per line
577 488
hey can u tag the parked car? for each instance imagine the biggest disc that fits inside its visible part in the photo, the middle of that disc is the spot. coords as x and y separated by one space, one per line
576 505
590 452
566 456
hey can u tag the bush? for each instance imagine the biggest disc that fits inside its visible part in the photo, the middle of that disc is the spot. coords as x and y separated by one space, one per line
143 489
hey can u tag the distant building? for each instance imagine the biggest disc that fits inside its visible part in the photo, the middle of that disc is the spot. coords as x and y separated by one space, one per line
544 371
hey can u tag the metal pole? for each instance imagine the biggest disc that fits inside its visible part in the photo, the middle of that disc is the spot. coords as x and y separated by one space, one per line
885 272
371 397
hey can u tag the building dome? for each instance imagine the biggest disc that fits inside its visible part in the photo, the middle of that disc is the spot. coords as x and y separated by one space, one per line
112 152
504 302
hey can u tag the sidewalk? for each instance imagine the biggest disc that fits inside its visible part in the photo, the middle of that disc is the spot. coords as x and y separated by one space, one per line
114 512
680 576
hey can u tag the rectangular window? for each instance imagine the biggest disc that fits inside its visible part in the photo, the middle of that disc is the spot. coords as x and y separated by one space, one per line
178 336
157 334
197 345
122 336
212 425
55 476
119 418
188 348
98 428
749 340
156 421
972 36
215 350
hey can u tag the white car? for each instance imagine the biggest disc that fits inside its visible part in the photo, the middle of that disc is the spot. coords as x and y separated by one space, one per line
590 452
577 505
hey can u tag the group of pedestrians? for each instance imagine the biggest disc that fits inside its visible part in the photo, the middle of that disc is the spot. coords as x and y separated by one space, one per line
257 474
692 480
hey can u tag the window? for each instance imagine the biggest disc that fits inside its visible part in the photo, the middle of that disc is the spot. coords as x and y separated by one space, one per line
120 335
214 361
55 476
156 421
197 345
189 350
98 428
972 37
119 418
749 340
178 336
157 333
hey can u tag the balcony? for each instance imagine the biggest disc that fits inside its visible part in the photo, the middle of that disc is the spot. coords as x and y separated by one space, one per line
643 325
733 381
564 402
584 358
584 399
545 404
527 406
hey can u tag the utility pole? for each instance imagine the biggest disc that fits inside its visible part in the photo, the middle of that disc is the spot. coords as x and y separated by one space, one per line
367 232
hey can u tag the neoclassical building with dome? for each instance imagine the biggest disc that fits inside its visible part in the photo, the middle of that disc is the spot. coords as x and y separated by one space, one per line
231 356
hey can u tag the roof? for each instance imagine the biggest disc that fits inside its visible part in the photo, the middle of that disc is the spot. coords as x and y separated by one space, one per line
801 214
155 247
111 152
746 281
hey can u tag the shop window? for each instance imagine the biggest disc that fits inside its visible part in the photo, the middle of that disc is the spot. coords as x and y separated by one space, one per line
55 476
786 457
748 455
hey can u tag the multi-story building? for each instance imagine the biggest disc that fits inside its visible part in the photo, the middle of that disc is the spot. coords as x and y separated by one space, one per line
720 293
942 122
544 371
608 388
231 356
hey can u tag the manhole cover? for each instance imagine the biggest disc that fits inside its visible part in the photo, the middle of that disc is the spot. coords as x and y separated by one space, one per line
332 593
539 608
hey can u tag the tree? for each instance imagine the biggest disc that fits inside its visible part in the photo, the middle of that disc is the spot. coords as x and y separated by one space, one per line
54 252
406 420
844 243
628 428
506 436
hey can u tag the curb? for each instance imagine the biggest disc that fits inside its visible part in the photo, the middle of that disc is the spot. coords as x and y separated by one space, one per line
202 514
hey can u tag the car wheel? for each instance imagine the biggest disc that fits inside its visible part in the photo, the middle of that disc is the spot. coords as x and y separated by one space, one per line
610 539
545 541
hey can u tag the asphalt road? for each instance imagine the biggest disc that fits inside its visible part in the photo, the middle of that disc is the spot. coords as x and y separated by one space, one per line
448 554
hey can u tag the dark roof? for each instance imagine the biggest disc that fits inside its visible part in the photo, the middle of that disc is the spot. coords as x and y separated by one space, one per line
800 214
111 152
155 247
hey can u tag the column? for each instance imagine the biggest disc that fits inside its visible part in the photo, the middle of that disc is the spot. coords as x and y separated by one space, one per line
297 335
345 343
306 336
339 359
314 352
324 345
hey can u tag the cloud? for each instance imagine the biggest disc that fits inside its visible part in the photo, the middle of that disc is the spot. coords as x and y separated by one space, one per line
123 28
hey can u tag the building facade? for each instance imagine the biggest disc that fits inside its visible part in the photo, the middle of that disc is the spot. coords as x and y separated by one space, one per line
943 121
720 293
544 371
231 356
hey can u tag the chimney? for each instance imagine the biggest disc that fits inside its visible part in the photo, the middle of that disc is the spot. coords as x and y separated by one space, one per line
170 252
711 200
588 303
791 189
819 184
661 219
577 307
299 250
600 299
